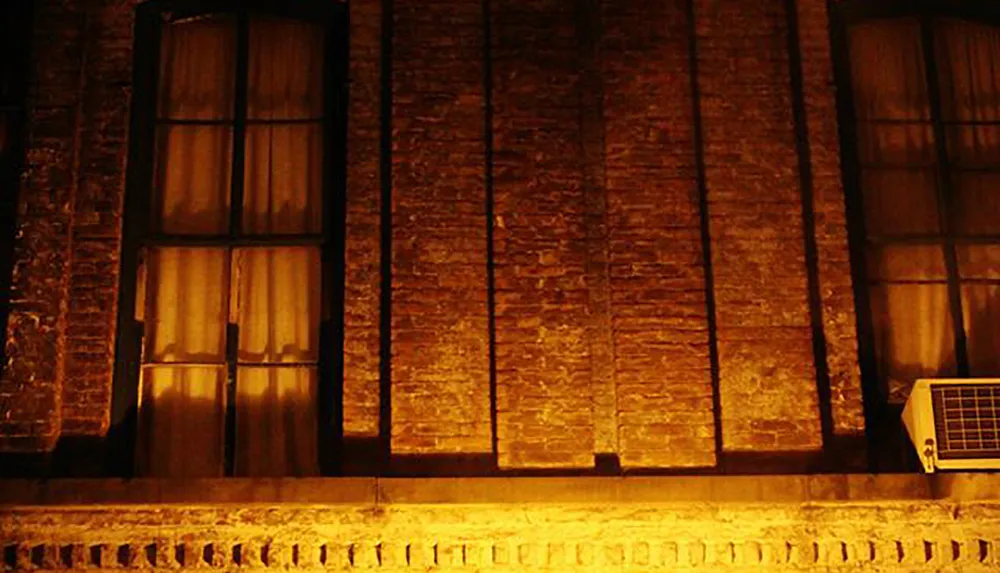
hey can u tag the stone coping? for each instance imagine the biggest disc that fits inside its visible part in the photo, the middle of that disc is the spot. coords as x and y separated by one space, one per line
366 491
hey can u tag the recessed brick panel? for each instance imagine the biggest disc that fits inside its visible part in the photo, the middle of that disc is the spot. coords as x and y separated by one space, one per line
362 283
836 293
544 394
440 339
767 374
97 209
659 317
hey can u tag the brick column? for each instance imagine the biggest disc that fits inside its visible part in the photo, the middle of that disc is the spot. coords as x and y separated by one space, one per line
660 323
543 368
767 373
97 211
362 252
836 294
440 354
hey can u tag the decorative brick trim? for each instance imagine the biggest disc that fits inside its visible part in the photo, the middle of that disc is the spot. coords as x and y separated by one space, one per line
627 536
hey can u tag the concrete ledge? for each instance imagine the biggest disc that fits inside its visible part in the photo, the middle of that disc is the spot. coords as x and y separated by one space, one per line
844 488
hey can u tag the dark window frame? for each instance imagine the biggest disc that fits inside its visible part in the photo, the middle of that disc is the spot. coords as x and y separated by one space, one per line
883 418
137 233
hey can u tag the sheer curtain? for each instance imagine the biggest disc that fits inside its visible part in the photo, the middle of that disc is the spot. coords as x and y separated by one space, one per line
908 289
913 327
192 297
969 56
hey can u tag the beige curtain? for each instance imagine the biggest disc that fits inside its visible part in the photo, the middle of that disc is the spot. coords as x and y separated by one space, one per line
969 56
908 292
909 295
271 294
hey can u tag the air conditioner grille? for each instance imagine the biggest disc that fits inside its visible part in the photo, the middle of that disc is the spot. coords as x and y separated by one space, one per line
967 420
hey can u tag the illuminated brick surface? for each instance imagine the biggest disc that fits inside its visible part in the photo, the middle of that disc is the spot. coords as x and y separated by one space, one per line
601 307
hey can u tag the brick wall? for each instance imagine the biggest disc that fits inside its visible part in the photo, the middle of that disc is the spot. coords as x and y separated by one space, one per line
659 312
767 372
440 367
362 254
602 340
543 391
833 264
102 139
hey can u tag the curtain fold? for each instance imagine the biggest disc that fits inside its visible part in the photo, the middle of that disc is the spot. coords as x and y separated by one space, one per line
969 56
908 288
272 295
909 293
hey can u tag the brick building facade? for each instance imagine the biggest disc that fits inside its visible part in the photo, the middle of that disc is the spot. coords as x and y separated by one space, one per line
578 238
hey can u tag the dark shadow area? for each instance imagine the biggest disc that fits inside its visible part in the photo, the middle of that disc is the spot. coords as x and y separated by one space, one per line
359 457
73 457
752 463
16 25
607 464
804 152
441 465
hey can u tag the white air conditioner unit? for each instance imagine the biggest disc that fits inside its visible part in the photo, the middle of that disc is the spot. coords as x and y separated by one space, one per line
955 423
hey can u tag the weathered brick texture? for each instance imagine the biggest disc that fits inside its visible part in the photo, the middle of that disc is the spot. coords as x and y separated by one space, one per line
604 409
602 336
97 208
440 352
543 371
837 298
362 257
661 353
767 374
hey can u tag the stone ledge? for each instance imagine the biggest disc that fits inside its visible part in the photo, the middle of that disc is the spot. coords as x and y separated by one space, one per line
842 488
885 536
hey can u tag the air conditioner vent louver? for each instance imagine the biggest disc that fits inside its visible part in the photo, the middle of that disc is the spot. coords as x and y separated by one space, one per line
955 423
966 420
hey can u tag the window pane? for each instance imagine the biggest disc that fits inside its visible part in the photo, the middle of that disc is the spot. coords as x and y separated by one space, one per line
193 171
181 421
976 203
913 334
900 202
186 309
907 145
276 422
284 179
887 70
906 263
978 262
278 304
981 312
198 68
968 59
286 70
974 146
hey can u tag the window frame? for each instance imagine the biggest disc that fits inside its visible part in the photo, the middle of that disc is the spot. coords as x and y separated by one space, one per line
883 422
137 232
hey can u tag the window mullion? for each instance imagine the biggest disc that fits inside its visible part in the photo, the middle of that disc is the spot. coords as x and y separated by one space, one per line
236 228
944 194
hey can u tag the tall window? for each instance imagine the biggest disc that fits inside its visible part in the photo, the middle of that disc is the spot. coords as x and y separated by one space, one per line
926 102
224 268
